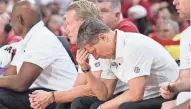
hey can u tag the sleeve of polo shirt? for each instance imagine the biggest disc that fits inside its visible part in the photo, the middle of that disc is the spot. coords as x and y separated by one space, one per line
107 73
42 57
94 64
137 62
185 61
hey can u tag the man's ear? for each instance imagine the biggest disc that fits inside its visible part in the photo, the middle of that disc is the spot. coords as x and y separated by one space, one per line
118 15
21 20
102 37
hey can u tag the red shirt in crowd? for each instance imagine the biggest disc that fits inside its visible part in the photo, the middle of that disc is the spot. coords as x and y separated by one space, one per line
164 42
127 26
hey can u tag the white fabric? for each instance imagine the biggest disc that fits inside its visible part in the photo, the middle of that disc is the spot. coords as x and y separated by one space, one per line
6 54
137 12
183 97
185 49
42 47
96 65
138 55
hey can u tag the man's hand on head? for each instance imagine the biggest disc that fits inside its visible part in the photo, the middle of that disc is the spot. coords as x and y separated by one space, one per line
82 59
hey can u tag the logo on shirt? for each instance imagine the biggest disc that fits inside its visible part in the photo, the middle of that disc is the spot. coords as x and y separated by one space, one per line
97 64
8 49
114 64
136 69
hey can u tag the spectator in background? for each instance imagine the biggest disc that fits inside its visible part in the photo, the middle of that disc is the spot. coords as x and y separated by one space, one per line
111 14
55 23
168 36
164 14
3 5
138 15
6 33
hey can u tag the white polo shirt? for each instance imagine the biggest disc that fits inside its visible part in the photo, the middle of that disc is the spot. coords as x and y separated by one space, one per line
96 65
185 49
138 55
43 48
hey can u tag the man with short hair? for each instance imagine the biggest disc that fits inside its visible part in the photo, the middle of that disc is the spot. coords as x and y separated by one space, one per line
143 65
41 62
168 90
110 11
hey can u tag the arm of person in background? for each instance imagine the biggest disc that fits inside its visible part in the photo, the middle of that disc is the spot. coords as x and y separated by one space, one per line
185 105
168 90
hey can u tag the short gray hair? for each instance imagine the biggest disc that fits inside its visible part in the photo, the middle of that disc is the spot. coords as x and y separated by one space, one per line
173 24
116 4
89 31
84 9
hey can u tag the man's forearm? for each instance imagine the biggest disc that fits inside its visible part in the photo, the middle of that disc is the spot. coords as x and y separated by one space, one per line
97 86
13 83
123 98
68 96
185 105
180 85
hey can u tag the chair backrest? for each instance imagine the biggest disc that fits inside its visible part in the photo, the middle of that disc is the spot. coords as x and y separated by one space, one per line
65 43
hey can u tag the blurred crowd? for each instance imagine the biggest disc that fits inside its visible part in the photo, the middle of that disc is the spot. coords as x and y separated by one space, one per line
157 19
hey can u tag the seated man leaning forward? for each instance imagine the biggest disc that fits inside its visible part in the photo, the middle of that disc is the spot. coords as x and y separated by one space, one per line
132 58
41 62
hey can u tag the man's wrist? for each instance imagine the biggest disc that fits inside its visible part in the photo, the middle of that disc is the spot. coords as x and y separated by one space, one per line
53 97
85 68
172 88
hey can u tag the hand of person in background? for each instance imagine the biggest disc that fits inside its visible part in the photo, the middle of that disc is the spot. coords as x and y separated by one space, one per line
166 92
40 99
82 59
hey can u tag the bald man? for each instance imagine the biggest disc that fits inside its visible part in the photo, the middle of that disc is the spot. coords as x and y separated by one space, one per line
41 62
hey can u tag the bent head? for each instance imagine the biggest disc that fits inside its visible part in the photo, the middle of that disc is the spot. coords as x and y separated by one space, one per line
97 39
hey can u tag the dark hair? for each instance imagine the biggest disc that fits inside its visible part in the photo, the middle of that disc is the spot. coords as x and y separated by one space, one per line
89 31
7 27
5 1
